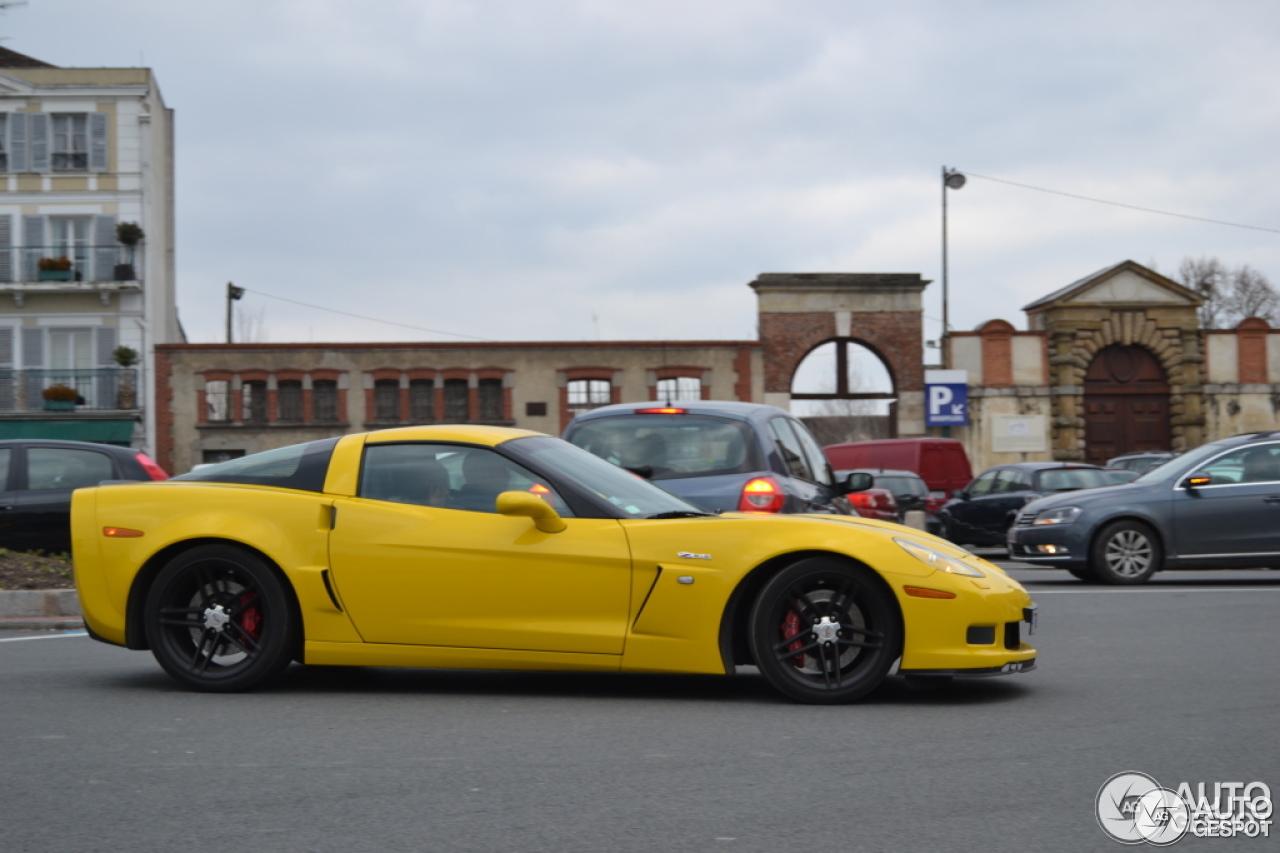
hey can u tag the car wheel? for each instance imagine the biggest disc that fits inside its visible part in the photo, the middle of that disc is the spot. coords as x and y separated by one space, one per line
824 631
1125 552
218 619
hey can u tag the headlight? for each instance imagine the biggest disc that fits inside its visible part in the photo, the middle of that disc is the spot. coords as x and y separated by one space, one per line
1061 515
937 559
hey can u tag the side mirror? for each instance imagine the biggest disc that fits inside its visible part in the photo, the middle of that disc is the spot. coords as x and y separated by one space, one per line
858 481
960 495
1196 480
544 516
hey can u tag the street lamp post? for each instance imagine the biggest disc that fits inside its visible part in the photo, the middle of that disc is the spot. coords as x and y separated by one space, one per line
233 293
951 179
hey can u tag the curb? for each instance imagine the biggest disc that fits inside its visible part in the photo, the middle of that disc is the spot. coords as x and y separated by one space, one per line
47 623
39 604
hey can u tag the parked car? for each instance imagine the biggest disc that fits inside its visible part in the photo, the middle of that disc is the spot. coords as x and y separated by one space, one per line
38 476
1217 506
982 512
941 462
465 546
875 503
718 455
1142 461
909 490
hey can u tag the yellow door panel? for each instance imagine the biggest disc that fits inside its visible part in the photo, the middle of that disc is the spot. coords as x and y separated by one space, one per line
419 575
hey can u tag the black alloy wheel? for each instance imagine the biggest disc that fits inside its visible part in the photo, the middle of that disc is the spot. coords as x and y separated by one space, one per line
825 631
1125 552
219 619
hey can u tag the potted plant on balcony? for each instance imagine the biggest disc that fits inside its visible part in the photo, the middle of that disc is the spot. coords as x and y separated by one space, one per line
129 234
127 395
60 397
55 269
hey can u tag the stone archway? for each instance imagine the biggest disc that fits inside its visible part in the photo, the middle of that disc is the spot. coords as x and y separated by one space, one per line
1126 403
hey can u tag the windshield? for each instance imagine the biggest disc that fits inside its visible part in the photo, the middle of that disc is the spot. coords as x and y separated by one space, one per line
632 496
668 447
1188 461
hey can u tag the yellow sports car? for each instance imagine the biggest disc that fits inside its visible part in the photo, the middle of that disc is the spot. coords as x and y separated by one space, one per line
488 548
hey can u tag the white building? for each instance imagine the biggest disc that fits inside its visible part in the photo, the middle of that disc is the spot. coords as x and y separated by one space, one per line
84 150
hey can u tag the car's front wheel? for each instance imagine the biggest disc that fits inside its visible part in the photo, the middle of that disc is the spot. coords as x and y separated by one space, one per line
1125 552
219 619
825 631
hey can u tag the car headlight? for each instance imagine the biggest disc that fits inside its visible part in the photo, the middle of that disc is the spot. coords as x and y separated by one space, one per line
937 559
1061 515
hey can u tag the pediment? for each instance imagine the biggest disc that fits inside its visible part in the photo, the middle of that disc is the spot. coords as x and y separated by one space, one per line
1127 283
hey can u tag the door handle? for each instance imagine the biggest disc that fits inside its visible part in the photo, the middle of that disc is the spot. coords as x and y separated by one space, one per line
6 507
1271 499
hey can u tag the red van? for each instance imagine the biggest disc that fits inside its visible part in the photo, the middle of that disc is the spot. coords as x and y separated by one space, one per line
941 462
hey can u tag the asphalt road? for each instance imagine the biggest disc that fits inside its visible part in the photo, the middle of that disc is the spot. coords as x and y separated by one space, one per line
1177 679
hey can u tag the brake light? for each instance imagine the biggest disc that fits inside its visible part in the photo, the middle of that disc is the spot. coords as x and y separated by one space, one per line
763 494
153 470
665 410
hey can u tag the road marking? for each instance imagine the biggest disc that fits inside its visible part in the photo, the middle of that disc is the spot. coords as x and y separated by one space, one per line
44 637
1040 591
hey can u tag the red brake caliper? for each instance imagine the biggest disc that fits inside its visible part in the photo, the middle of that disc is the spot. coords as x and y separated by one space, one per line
250 617
790 628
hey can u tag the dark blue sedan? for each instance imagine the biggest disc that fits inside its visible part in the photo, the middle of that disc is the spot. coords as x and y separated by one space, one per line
1217 506
719 455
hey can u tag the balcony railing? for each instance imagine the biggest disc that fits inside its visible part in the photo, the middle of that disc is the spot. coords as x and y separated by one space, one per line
101 388
87 263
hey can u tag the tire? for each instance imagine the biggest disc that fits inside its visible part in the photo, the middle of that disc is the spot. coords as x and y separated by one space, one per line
220 620
1125 552
824 631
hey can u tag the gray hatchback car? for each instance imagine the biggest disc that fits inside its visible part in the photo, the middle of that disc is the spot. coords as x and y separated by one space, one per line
719 455
1217 506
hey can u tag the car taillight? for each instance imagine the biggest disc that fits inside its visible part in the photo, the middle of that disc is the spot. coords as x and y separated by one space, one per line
153 470
763 494
665 410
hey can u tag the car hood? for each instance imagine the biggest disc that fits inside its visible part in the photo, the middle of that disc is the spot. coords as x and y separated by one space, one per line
1102 495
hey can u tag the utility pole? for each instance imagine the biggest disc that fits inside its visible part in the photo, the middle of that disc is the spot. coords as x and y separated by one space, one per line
233 293
951 179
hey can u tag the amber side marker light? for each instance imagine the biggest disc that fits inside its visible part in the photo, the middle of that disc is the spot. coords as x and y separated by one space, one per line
121 533
921 592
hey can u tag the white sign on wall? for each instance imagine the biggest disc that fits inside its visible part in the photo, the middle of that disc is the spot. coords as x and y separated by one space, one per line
1019 433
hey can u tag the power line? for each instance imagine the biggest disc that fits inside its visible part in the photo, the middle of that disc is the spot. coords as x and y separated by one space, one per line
362 317
1122 204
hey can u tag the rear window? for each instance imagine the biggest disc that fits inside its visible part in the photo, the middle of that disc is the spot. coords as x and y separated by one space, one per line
670 447
1066 479
299 466
903 485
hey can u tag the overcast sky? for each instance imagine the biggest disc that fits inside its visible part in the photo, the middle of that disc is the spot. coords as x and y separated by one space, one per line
614 169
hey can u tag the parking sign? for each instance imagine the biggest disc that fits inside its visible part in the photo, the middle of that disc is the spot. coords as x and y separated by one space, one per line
946 397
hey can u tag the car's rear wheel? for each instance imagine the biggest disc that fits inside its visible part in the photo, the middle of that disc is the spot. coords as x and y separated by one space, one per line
1125 552
825 631
218 619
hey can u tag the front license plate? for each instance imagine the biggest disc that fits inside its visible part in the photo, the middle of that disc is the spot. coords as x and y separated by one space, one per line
1031 615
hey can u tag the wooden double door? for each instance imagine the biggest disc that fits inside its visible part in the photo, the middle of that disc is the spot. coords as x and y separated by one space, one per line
1126 404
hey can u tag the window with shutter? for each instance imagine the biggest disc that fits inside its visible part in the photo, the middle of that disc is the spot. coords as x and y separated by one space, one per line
324 400
289 399
386 399
490 394
6 247
70 142
16 139
455 400
32 347
4 142
33 229
422 403
97 142
105 249
7 402
38 136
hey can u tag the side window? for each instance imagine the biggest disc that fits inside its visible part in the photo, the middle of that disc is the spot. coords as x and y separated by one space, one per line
790 448
984 484
1246 465
1010 480
813 453
448 476
63 468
